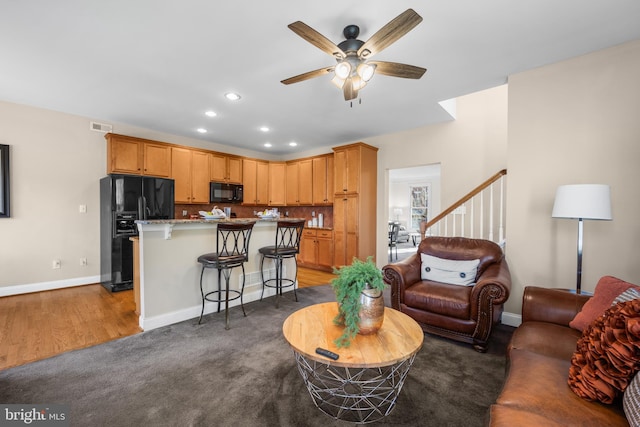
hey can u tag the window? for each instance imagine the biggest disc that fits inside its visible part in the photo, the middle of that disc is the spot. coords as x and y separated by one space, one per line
419 205
4 181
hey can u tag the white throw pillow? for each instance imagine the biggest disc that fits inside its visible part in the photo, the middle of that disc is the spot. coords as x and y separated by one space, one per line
455 272
631 401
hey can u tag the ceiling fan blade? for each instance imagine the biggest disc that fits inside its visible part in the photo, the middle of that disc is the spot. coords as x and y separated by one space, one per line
395 69
307 75
348 90
316 39
396 28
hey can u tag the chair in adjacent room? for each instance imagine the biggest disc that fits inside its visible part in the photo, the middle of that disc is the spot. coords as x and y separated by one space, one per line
287 246
232 248
454 287
394 230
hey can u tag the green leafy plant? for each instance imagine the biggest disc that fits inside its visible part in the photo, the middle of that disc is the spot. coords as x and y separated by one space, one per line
351 281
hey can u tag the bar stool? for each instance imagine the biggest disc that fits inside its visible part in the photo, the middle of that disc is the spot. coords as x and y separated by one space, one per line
287 245
232 248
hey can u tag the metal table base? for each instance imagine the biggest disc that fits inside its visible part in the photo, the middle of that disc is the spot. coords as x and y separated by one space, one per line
360 395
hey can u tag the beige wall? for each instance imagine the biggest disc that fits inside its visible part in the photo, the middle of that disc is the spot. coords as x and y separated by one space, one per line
56 164
574 122
469 149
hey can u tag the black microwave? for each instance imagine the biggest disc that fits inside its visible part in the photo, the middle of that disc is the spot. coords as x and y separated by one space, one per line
222 192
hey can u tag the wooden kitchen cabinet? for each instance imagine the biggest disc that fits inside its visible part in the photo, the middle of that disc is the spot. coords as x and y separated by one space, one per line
255 181
277 184
299 182
226 168
354 205
348 169
137 156
191 175
322 174
316 249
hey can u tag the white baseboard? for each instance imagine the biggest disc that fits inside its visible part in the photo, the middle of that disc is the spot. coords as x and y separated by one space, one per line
47 286
154 322
511 319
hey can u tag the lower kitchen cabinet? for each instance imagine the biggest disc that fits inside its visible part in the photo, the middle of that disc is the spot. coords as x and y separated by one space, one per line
316 249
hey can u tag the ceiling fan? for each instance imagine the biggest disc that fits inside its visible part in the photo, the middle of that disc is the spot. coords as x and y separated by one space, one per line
354 69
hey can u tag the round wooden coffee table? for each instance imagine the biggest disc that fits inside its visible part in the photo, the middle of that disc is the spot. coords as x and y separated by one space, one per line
363 384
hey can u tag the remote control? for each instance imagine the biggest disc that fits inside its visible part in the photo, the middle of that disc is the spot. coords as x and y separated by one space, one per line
327 353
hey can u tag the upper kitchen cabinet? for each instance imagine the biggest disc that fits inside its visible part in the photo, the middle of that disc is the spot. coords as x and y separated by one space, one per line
347 167
299 179
277 184
137 156
323 188
255 180
226 168
191 175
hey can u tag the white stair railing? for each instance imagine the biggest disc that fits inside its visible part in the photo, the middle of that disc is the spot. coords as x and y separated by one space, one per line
474 215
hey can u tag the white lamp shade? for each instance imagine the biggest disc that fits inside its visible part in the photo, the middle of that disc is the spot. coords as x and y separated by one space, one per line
586 201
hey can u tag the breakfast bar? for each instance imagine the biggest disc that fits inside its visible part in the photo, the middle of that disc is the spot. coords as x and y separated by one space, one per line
169 273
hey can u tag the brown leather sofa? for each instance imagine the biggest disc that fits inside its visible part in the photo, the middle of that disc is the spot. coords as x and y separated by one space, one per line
462 313
535 392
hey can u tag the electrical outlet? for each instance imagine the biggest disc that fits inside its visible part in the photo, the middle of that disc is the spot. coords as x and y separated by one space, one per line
313 213
83 262
56 264
82 209
184 213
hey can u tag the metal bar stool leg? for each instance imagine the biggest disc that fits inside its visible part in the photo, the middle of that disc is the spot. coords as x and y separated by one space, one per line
278 261
227 273
295 277
242 291
261 276
201 292
219 290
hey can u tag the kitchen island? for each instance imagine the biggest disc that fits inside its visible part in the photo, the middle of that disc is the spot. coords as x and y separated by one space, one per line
169 272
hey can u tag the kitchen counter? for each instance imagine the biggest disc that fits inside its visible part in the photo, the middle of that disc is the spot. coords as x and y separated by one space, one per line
170 272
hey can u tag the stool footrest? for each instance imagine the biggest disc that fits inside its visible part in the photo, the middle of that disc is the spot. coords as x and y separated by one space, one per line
284 283
233 295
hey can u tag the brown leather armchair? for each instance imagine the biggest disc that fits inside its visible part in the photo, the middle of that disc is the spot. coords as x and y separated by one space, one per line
462 313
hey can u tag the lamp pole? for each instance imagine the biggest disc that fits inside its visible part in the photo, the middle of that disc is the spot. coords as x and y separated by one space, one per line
579 282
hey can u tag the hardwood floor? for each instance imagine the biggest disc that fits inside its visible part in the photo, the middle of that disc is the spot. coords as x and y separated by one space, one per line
40 325
308 277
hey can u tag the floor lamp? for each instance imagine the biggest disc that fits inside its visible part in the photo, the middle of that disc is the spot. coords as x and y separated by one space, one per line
582 201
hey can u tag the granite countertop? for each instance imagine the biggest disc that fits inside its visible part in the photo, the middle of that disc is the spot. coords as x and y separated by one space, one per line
206 221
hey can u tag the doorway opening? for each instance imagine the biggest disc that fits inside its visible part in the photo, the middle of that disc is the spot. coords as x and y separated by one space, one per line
414 196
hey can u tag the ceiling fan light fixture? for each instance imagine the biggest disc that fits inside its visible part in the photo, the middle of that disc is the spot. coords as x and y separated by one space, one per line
342 70
352 71
366 71
338 82
357 83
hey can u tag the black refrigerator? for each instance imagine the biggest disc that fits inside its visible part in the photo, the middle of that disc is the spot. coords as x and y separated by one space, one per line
123 200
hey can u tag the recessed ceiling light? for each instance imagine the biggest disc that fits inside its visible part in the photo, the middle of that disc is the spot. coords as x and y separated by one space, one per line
232 96
293 144
267 144
201 130
210 113
264 129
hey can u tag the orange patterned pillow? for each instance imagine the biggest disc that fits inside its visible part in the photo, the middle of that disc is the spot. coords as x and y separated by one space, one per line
607 289
608 354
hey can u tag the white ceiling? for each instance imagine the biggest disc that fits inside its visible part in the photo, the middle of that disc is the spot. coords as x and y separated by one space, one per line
160 64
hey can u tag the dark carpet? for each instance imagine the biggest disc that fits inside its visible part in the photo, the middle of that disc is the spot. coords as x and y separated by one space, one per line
202 375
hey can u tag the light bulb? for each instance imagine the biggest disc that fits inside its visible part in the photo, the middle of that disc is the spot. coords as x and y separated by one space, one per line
343 69
366 71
